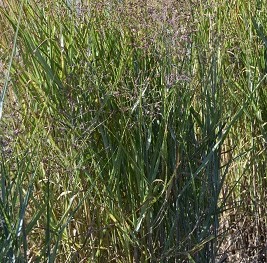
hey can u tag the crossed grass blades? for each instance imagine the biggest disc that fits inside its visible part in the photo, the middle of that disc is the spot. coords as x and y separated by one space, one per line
132 131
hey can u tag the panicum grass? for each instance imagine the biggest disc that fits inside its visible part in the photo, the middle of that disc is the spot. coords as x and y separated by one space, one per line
133 131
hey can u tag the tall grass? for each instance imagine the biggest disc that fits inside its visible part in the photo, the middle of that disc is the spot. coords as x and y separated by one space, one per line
133 132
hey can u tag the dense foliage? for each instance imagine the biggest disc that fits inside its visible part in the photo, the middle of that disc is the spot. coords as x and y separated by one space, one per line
133 131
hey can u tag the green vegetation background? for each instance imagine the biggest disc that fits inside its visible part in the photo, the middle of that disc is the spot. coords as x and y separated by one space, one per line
133 131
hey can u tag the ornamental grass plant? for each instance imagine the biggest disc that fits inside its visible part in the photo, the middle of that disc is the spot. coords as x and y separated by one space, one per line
133 131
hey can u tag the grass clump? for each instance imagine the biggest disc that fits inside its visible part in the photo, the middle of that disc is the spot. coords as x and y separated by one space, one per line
133 132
